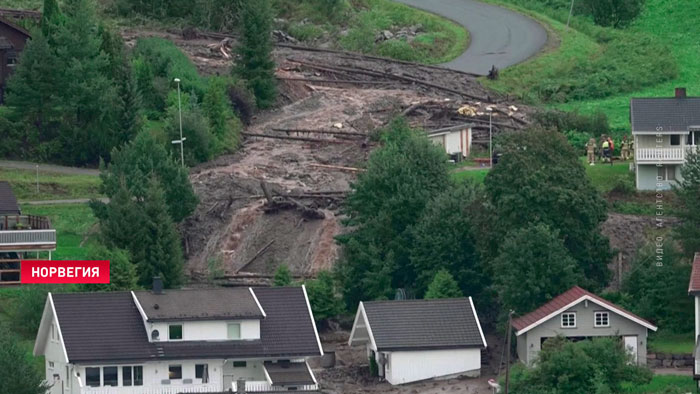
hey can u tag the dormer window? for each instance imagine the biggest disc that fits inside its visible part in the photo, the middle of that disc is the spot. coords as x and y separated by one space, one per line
155 335
175 332
234 331
568 320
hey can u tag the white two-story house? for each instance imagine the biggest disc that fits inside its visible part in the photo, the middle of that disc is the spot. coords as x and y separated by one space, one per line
664 129
179 341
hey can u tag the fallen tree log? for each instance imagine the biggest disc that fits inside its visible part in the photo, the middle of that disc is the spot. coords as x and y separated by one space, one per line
342 168
348 81
381 74
284 137
319 131
260 252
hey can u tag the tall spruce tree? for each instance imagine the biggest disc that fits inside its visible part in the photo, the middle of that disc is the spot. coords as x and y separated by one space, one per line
443 286
122 272
120 222
163 253
32 93
18 372
50 17
255 64
85 90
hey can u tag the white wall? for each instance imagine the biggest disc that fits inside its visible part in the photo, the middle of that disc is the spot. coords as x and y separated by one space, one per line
411 366
53 353
207 330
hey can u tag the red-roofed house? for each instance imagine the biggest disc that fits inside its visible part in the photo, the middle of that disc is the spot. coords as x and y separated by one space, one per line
579 314
694 290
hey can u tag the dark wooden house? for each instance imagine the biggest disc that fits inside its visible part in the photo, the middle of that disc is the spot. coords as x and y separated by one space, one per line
12 41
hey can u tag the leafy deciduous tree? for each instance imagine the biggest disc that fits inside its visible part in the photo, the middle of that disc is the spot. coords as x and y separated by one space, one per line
282 276
17 371
615 13
323 297
532 267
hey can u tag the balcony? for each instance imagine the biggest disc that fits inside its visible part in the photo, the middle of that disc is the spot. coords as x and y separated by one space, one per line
659 155
175 389
26 233
264 386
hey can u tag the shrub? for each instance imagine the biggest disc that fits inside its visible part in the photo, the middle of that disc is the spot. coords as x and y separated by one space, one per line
305 32
200 143
623 185
615 13
283 277
578 139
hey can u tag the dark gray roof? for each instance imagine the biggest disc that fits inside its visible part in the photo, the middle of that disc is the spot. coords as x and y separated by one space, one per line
199 304
670 113
423 324
99 326
288 373
108 327
8 202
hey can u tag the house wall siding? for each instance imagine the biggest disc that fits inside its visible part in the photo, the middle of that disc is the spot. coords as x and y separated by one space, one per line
411 366
619 326
646 178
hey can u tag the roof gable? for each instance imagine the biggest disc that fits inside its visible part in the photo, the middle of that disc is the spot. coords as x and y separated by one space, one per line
664 114
565 301
8 201
423 324
694 285
16 27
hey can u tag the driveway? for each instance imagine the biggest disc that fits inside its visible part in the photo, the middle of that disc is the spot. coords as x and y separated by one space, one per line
499 36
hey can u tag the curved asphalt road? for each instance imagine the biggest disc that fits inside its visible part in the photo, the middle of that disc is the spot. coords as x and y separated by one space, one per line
499 36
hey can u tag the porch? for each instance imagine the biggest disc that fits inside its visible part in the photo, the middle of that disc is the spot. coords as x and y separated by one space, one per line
660 155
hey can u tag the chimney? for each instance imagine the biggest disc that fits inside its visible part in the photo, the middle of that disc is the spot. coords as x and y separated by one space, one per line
680 93
157 285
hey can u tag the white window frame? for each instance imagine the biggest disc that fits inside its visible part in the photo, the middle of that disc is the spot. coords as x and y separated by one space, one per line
666 169
182 332
568 314
601 313
182 372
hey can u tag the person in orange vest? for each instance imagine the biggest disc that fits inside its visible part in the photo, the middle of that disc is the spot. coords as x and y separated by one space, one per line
612 149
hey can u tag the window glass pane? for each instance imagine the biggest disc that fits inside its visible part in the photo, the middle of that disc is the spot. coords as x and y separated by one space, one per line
239 364
671 173
175 372
234 331
126 376
110 376
175 331
92 377
201 371
675 139
138 376
661 172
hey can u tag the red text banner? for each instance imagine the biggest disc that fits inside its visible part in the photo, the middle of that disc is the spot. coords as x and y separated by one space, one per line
65 271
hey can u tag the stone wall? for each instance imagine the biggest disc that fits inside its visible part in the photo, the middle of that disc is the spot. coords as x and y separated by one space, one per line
668 360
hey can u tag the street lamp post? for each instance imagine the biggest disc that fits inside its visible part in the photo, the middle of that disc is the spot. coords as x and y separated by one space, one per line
181 140
571 10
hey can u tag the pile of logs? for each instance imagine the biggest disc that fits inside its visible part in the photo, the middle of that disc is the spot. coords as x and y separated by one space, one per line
309 208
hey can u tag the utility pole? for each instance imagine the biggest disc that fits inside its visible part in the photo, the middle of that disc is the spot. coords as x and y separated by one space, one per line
510 319
571 10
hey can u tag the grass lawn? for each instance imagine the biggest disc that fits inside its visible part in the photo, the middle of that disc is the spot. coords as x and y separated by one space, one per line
52 186
356 27
671 343
674 23
73 222
660 383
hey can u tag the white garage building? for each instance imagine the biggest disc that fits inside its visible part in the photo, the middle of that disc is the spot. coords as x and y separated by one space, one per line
414 340
457 140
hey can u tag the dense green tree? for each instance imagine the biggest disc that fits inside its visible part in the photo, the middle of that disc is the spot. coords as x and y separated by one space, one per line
122 272
18 373
688 192
282 276
217 106
323 297
443 286
540 179
27 307
532 267
162 255
615 13
50 17
593 366
32 93
255 64
85 89
142 158
656 287
445 238
121 222
387 200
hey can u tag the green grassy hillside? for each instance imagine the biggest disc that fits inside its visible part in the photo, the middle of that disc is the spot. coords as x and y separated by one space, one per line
598 69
